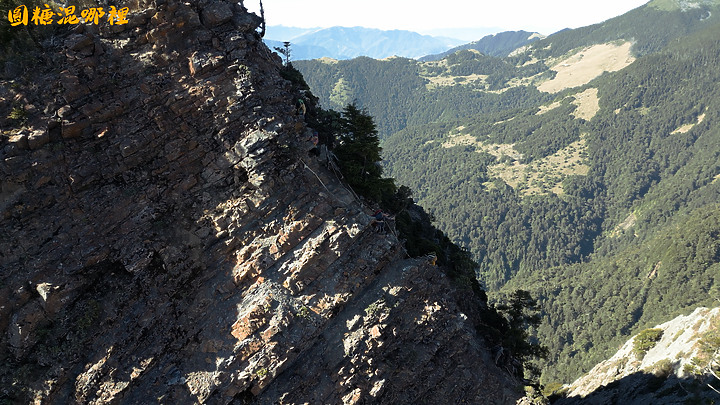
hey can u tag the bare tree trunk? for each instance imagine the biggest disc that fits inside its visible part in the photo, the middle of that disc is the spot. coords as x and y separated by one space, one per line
710 369
262 16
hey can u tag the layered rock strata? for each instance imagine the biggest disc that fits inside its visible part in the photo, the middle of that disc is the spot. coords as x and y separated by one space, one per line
167 239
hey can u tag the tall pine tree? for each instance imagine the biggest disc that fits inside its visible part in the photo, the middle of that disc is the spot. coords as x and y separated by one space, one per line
359 154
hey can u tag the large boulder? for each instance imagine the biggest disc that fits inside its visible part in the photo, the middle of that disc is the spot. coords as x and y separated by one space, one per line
216 13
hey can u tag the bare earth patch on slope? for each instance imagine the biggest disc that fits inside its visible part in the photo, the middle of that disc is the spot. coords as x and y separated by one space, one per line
587 64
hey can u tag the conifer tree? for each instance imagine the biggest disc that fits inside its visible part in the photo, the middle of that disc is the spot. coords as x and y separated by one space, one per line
285 51
521 312
359 154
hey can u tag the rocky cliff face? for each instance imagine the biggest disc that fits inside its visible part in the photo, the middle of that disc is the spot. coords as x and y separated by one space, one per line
660 376
167 239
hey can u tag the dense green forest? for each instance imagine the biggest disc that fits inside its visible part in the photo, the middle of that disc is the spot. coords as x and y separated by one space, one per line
613 220
648 200
400 92
413 100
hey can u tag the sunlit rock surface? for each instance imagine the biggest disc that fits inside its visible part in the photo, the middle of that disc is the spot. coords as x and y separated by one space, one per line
167 239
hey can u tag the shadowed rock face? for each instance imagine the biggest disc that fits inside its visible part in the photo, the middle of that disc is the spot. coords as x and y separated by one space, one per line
166 239
657 376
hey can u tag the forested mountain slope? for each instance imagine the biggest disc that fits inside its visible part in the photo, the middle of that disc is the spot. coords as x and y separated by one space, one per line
599 196
603 218
649 27
402 92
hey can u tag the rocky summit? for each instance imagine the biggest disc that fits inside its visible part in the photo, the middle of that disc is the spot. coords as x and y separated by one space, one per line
166 238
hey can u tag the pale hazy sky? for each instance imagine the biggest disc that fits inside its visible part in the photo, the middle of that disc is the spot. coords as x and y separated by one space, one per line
544 16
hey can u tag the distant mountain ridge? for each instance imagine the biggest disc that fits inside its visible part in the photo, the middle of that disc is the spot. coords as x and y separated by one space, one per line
283 33
683 5
500 44
350 42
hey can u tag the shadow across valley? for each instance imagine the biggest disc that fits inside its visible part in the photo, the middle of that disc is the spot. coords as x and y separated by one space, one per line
648 388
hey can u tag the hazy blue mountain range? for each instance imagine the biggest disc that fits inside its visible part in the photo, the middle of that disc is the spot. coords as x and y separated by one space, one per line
283 33
350 42
500 44
467 34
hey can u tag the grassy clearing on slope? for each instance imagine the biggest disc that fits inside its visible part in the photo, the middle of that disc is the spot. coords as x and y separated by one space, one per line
544 175
547 108
445 81
687 127
626 224
588 104
541 176
341 93
586 64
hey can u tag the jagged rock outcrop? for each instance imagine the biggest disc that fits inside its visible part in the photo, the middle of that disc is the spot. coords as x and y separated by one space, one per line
659 376
167 239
